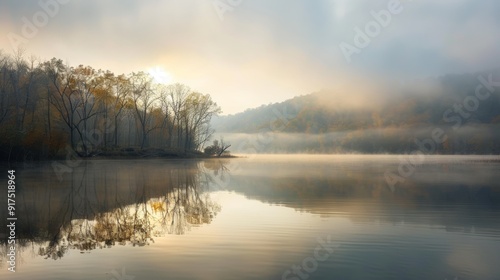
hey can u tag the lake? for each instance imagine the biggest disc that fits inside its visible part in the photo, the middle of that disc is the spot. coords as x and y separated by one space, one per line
258 217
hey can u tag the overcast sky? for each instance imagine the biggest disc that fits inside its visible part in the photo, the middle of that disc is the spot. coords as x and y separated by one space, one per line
260 51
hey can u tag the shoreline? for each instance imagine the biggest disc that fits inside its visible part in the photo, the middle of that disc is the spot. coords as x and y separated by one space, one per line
144 155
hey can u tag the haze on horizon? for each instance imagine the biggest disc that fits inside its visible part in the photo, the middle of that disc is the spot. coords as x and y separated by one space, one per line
257 52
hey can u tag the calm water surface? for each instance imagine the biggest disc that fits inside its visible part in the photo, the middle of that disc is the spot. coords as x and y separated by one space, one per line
261 217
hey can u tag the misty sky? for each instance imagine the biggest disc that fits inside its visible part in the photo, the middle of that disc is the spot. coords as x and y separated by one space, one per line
261 51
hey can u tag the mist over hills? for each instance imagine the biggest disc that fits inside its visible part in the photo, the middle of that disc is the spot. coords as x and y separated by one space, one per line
376 118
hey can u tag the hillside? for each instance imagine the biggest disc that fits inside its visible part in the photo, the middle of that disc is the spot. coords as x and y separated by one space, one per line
329 121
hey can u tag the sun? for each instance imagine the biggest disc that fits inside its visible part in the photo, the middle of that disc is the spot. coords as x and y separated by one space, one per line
159 75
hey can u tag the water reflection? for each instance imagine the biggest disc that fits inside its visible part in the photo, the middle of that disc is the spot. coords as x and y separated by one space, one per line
272 210
457 193
106 203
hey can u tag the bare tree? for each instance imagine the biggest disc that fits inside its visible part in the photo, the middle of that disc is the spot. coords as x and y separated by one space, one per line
200 109
144 101
87 81
223 147
61 96
121 90
217 148
178 94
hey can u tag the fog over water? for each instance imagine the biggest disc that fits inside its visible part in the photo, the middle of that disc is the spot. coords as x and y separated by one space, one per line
256 216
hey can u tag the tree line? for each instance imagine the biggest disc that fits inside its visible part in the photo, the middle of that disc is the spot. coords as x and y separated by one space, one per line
46 106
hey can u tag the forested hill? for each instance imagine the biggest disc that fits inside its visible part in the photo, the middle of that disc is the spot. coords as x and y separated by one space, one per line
386 121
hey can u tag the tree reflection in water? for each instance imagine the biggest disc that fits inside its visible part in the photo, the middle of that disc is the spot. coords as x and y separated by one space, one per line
106 204
216 173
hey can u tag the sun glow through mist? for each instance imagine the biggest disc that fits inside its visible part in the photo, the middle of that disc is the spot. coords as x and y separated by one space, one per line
160 76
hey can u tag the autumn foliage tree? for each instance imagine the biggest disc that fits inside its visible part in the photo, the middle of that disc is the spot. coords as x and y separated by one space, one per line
48 106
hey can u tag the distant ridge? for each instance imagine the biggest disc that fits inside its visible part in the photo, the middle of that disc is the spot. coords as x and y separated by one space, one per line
422 105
